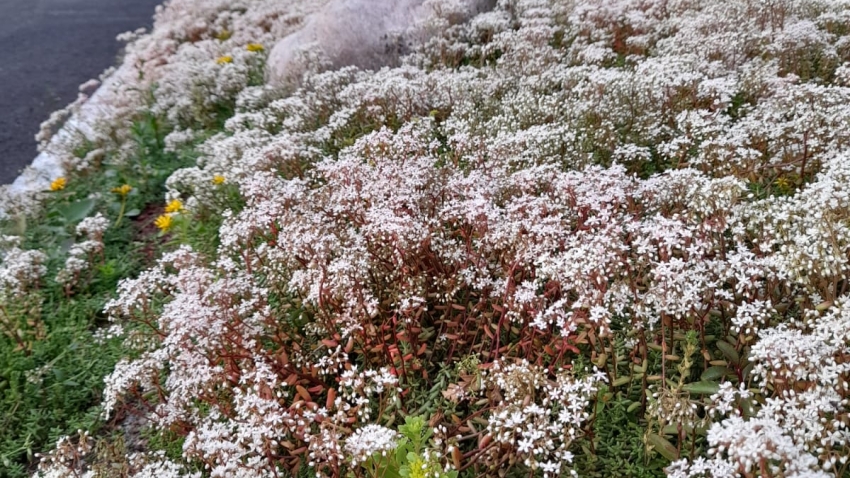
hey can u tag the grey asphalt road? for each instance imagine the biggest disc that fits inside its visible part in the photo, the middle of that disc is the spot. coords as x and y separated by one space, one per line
47 49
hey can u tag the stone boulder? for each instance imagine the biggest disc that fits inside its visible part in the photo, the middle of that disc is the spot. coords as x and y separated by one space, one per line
368 34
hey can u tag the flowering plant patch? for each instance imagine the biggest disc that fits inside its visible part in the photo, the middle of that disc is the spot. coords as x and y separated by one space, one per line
600 238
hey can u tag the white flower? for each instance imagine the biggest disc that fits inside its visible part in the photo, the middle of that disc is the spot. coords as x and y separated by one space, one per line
367 441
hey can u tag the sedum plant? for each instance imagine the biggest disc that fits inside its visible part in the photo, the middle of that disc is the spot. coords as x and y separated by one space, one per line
384 452
600 238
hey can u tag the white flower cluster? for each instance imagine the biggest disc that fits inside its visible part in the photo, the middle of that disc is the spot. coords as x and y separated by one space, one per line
807 229
358 387
82 254
367 441
800 431
750 317
156 465
569 168
540 418
268 406
72 458
21 270
67 459
749 446
199 56
725 400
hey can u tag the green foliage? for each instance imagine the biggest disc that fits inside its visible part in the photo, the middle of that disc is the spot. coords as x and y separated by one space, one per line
615 446
52 366
166 441
199 230
411 458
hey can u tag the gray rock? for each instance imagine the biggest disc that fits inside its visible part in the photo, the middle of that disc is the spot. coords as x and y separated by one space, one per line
368 34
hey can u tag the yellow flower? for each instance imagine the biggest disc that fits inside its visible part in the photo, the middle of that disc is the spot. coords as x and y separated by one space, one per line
122 190
58 184
224 35
174 206
218 179
254 47
782 182
224 59
164 222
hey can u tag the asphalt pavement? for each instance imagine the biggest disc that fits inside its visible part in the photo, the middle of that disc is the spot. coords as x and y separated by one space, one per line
47 49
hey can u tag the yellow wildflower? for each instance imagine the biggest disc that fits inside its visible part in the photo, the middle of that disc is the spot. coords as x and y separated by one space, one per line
783 183
218 179
254 47
164 222
58 184
224 59
224 35
122 190
174 206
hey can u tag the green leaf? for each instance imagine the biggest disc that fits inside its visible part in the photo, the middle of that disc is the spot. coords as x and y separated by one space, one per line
390 473
746 372
702 388
132 213
600 406
400 453
426 434
662 446
713 373
621 381
747 406
729 351
385 469
76 211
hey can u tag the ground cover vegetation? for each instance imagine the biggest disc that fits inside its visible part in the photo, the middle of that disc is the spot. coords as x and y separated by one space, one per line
598 238
61 265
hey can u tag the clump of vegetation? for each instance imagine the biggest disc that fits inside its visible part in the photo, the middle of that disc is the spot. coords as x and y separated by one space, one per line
606 238
60 268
